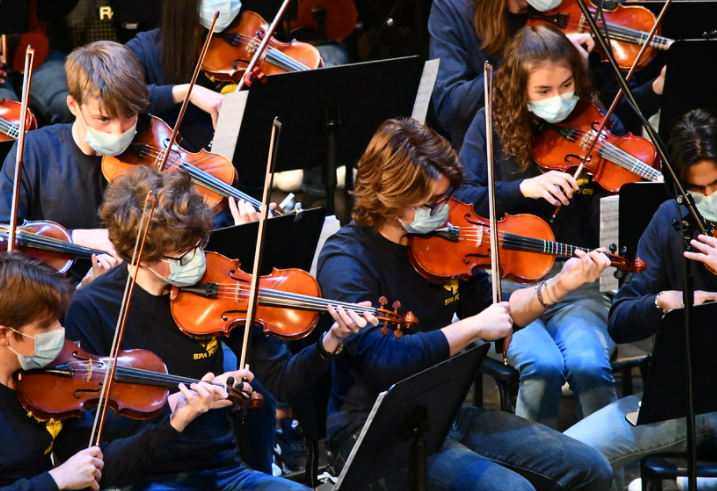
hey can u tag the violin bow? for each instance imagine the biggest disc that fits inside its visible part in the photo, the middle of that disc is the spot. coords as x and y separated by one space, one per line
262 46
104 397
254 288
17 183
603 40
501 346
185 102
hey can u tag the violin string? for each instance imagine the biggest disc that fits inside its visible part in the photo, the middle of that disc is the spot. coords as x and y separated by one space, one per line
276 53
50 244
9 129
617 155
622 33
206 180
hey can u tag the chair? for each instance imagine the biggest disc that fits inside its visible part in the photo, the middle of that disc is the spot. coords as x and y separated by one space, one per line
655 468
507 377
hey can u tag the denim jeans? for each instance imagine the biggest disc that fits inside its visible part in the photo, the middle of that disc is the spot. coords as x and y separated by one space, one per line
569 342
492 450
224 479
622 443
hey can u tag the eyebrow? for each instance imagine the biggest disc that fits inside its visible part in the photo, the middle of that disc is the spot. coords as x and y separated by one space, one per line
570 78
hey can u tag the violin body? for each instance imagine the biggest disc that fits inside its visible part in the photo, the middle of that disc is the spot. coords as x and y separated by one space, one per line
10 120
147 149
527 250
561 147
439 259
231 51
47 395
628 26
216 310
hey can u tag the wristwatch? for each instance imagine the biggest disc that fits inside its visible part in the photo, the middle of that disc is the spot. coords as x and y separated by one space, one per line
322 351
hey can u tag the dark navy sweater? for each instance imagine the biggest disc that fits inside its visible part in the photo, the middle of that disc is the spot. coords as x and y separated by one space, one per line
633 315
356 265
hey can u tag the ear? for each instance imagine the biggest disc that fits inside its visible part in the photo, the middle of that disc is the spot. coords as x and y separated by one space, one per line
4 333
73 106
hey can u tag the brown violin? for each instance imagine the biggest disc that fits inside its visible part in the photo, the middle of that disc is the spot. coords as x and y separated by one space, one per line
10 120
73 381
527 249
289 303
332 19
617 160
49 242
213 174
231 51
627 26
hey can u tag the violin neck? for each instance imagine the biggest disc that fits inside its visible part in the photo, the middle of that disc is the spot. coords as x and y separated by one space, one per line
635 36
9 129
131 375
51 244
539 246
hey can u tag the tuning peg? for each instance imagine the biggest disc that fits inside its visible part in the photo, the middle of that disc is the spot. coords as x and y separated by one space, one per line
384 330
398 333
612 248
396 306
382 301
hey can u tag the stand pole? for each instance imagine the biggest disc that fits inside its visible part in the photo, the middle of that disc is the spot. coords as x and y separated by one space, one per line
331 123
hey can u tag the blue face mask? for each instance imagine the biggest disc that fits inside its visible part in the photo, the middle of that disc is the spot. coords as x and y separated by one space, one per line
228 10
554 109
544 5
427 219
47 346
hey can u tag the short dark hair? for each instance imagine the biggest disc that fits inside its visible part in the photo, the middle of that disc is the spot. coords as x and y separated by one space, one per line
693 138
30 291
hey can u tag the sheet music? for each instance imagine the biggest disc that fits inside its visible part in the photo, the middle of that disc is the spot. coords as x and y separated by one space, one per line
331 226
425 89
229 123
609 234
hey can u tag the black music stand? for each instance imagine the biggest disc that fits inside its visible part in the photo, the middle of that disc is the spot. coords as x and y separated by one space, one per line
690 80
638 203
290 241
410 421
665 395
328 115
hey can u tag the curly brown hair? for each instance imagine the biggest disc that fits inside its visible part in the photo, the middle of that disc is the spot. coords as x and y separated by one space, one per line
30 291
530 48
180 219
399 168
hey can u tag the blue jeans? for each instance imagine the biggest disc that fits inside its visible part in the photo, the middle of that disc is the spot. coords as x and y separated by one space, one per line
224 479
609 432
569 342
496 451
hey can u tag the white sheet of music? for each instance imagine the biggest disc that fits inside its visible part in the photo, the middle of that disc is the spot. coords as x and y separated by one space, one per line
229 122
609 234
425 89
331 226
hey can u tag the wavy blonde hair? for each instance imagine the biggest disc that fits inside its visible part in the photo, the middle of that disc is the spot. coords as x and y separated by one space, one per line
528 50
399 168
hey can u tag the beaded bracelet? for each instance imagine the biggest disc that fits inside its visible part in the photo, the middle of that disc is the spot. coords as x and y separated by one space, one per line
540 295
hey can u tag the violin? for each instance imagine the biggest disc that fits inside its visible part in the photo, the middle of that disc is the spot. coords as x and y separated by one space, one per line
627 27
73 381
213 174
10 120
47 241
332 19
219 303
619 160
527 249
231 51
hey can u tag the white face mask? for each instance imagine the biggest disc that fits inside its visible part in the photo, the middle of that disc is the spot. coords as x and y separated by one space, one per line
544 5
554 109
427 219
106 144
188 274
228 10
707 205
47 346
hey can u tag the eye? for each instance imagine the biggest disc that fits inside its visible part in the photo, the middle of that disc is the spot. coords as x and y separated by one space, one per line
104 119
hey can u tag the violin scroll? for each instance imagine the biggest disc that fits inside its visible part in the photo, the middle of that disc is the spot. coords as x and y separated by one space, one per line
400 323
